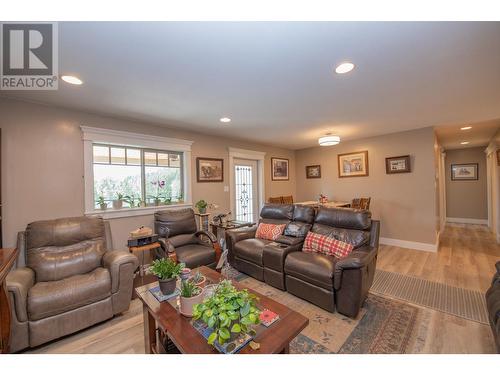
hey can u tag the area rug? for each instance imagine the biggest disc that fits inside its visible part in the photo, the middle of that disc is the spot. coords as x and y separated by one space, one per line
464 303
383 326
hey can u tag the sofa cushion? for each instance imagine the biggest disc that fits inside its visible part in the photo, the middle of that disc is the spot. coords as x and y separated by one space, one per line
344 218
304 214
357 238
251 249
169 223
316 269
277 213
195 255
318 243
297 229
269 231
55 297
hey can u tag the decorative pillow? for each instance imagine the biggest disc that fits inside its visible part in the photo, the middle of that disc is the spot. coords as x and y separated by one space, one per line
269 231
297 229
318 243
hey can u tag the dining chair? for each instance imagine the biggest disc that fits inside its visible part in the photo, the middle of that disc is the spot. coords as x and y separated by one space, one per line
288 199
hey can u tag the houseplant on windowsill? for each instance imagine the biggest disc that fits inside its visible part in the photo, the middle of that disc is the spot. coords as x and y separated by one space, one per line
228 312
201 206
190 296
167 272
160 184
118 203
130 199
102 203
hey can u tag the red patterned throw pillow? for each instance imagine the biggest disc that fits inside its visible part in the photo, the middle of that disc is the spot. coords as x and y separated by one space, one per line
318 243
269 231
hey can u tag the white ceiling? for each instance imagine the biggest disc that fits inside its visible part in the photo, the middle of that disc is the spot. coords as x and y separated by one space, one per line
276 80
481 133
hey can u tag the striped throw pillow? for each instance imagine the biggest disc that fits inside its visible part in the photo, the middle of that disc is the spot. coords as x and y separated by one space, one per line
269 231
318 243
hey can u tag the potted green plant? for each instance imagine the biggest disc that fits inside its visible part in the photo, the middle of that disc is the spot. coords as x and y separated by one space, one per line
180 198
118 203
198 279
102 202
167 272
130 199
228 312
190 296
201 206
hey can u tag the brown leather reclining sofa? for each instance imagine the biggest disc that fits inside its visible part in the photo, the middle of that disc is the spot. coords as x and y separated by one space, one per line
326 281
68 279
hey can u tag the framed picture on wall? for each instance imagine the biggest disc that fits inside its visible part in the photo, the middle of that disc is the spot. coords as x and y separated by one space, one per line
353 164
498 157
209 170
313 171
464 172
279 169
397 164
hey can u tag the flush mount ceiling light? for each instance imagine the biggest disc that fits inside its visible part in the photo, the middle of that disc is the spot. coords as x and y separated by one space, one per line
225 119
345 67
466 128
464 143
329 140
72 80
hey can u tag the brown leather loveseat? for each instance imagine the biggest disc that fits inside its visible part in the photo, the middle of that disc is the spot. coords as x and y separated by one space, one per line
324 280
264 259
69 279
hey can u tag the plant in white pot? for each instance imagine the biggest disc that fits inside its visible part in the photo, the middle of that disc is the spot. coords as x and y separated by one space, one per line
102 202
167 271
118 203
190 296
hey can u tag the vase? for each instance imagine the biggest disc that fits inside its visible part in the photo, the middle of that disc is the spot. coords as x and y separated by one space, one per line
103 206
117 204
202 210
157 202
187 303
167 286
201 283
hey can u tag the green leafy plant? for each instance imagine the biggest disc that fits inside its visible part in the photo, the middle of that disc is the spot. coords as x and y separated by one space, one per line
130 199
228 311
101 201
198 277
166 268
119 196
188 289
201 205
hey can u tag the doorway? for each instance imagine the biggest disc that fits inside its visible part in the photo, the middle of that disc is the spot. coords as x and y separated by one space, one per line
245 188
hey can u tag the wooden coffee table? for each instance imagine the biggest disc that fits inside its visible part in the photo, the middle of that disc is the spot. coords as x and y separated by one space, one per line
166 330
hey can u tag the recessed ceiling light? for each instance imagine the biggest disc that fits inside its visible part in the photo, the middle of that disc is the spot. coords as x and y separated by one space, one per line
329 140
225 119
345 67
464 143
466 128
72 79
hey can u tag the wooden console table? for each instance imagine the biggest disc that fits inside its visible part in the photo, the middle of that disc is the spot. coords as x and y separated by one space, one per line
7 259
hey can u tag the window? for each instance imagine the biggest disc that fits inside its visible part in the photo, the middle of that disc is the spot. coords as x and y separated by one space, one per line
143 177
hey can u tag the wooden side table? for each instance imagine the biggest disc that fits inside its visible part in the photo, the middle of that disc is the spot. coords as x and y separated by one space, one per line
202 220
142 278
7 260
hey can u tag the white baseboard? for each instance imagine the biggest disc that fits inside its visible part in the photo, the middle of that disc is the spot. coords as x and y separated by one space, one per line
465 220
423 246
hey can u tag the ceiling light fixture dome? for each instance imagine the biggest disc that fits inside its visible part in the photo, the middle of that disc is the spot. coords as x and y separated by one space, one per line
464 143
225 119
345 67
466 128
72 80
329 140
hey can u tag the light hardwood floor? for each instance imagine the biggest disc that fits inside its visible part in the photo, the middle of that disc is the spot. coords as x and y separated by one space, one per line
466 259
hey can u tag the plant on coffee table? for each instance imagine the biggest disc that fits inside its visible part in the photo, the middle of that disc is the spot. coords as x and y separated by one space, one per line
167 272
228 311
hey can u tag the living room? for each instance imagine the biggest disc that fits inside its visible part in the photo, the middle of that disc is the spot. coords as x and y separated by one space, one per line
336 184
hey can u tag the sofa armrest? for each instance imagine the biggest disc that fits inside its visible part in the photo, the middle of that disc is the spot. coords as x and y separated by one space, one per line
19 281
359 258
211 236
240 234
115 261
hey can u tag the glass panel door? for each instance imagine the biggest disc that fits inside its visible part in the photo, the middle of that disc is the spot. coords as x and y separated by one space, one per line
245 180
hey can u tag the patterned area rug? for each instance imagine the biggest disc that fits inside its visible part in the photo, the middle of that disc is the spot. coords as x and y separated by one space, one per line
383 326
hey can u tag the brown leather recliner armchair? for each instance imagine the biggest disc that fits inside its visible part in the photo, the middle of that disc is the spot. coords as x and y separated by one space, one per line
493 303
327 281
69 279
179 234
264 259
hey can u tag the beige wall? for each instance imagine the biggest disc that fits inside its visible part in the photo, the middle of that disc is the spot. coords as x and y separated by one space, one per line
42 171
467 199
405 203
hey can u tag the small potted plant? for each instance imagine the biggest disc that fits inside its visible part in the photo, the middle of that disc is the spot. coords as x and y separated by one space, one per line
201 206
190 296
141 203
118 203
102 202
159 185
167 272
228 312
180 198
198 279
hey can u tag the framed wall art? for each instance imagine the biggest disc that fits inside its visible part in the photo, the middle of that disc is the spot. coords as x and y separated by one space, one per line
279 169
313 171
397 164
464 172
209 170
353 164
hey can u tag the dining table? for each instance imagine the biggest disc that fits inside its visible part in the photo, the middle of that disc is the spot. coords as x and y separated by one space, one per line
329 204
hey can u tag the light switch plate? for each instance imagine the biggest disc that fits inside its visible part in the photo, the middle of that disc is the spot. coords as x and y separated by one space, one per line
226 189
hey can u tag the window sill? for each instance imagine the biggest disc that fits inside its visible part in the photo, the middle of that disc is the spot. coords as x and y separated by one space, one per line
111 213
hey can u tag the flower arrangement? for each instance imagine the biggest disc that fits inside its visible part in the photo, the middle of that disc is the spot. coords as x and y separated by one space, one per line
159 185
323 198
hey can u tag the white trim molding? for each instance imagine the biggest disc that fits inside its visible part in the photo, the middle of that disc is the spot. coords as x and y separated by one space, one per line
136 211
466 220
239 153
423 246
92 135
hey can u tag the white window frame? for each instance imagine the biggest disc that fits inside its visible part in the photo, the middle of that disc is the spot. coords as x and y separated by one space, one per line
91 135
